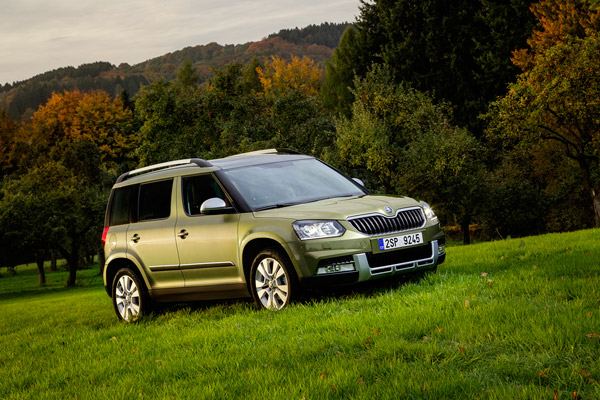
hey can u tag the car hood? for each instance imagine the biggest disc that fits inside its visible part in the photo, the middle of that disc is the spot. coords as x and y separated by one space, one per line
339 208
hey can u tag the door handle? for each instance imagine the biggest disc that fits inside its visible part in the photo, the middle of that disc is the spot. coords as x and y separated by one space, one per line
183 234
135 238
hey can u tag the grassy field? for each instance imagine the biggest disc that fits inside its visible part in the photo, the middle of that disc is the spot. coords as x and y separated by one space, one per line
509 319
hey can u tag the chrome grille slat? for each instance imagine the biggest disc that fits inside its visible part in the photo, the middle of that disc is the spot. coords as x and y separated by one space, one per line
378 224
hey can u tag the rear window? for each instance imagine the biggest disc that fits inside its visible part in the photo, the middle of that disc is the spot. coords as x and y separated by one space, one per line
121 205
155 200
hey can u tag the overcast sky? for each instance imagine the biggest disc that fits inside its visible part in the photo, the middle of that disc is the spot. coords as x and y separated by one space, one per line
40 35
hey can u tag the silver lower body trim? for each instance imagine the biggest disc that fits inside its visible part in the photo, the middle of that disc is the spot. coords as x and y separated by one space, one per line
365 272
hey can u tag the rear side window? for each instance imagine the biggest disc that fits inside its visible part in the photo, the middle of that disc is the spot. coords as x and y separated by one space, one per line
155 200
197 189
121 205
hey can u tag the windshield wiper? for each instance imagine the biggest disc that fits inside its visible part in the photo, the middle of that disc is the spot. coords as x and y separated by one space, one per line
279 205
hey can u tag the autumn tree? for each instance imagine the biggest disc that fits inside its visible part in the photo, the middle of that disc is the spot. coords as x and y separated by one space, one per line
558 21
556 102
75 114
301 75
8 135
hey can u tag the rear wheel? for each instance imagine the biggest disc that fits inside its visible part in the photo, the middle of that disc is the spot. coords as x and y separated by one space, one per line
129 295
272 280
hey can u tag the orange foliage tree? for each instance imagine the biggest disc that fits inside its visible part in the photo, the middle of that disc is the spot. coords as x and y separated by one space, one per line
557 21
95 116
301 75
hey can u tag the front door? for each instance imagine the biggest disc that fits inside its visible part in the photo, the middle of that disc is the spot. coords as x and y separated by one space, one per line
207 243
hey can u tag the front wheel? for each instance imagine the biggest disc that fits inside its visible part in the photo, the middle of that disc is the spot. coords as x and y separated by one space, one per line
129 295
272 280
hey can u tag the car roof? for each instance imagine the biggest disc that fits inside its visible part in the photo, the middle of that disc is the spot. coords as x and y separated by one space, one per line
193 166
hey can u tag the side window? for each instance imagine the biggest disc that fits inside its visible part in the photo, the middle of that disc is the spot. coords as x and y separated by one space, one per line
197 189
120 208
155 200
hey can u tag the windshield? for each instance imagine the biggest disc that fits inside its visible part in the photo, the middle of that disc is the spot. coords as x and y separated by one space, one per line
290 182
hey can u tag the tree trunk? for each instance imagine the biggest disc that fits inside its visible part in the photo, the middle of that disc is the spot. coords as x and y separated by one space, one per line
101 257
52 260
39 260
73 263
587 184
464 227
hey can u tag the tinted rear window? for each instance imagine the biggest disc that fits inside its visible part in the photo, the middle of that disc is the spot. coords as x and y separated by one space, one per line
121 205
155 200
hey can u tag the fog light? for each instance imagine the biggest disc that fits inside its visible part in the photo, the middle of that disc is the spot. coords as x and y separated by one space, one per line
333 268
440 248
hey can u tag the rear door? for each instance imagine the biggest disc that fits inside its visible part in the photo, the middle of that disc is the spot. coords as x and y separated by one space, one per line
151 239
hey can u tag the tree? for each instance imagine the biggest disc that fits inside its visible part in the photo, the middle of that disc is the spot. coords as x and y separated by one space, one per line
458 51
187 76
301 75
558 20
71 115
409 143
49 207
8 133
339 73
556 102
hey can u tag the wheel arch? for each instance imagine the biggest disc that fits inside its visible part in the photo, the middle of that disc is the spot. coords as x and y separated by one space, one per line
255 246
114 265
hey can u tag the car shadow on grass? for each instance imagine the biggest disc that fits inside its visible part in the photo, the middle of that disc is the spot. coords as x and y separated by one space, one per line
224 307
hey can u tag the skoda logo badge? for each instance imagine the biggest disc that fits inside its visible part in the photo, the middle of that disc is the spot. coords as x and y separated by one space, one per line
388 209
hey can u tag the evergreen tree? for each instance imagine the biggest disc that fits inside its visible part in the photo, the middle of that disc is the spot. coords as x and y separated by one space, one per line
187 76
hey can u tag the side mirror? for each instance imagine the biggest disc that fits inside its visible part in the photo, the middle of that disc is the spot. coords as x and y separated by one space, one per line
214 205
361 183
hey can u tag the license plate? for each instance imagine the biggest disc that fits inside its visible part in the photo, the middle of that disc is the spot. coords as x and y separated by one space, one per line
396 242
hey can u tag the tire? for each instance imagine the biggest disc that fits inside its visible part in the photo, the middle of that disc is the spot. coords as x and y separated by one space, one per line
273 281
129 295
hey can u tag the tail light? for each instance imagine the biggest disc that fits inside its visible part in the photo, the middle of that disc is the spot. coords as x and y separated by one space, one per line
104 233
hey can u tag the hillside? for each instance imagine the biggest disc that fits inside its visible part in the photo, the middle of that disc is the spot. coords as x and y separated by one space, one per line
21 99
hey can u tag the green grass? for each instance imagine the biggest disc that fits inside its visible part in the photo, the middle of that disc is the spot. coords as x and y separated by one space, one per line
516 318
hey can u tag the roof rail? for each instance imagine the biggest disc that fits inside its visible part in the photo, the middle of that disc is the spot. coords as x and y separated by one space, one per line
198 161
267 151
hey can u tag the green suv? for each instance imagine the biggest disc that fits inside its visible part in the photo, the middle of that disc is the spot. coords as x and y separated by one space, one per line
263 224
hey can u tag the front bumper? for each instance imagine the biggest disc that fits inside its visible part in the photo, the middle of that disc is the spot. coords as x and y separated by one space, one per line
370 266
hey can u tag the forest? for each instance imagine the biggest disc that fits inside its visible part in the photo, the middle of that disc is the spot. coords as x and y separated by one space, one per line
486 110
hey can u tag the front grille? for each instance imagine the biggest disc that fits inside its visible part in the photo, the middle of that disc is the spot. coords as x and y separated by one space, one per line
399 256
378 224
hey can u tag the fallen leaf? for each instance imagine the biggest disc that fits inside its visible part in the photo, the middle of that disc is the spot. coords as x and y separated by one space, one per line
489 282
333 387
361 380
467 303
583 372
593 335
589 314
439 329
368 342
542 374
567 249
461 349
376 331
323 375
534 267
555 394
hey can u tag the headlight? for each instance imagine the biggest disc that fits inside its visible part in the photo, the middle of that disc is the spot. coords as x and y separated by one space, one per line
429 213
318 229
